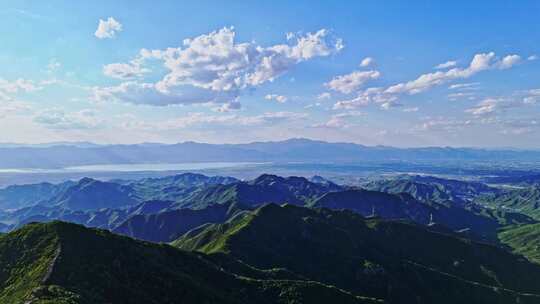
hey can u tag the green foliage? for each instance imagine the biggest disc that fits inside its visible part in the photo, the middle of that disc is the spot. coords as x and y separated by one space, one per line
25 259
524 200
395 261
524 240
69 264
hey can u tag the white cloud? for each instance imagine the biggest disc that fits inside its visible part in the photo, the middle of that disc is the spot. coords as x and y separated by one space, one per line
390 104
462 95
339 121
446 65
204 120
18 85
124 70
59 119
487 106
13 108
228 107
509 61
532 96
387 97
108 28
494 105
409 110
365 97
53 65
215 68
313 105
149 94
278 98
351 82
480 62
532 57
464 86
442 124
366 62
324 95
519 127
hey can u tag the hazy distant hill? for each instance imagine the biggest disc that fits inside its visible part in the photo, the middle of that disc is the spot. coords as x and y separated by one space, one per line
20 196
91 194
303 150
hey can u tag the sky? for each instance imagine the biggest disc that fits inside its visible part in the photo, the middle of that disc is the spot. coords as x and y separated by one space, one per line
395 73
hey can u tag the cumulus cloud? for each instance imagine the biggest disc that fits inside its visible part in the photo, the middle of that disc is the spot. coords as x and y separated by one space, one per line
228 107
479 63
59 119
532 57
124 70
366 62
213 66
446 65
351 82
19 85
366 97
509 61
278 98
387 97
107 29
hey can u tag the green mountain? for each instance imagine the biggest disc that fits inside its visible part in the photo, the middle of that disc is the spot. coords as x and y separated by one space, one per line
91 194
395 261
434 189
169 225
264 189
524 240
65 263
523 200
175 187
481 222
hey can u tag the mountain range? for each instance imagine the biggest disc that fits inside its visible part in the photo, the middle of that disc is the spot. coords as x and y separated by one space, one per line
272 239
273 254
63 155
160 209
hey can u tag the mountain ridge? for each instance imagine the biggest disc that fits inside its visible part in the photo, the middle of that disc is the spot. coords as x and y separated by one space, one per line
61 156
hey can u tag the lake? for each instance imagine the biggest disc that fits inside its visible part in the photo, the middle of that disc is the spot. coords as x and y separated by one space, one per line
133 167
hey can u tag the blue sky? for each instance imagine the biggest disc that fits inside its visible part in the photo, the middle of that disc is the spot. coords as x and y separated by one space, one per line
403 74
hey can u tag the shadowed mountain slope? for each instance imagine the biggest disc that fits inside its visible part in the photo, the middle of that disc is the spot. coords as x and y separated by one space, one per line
398 262
67 263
